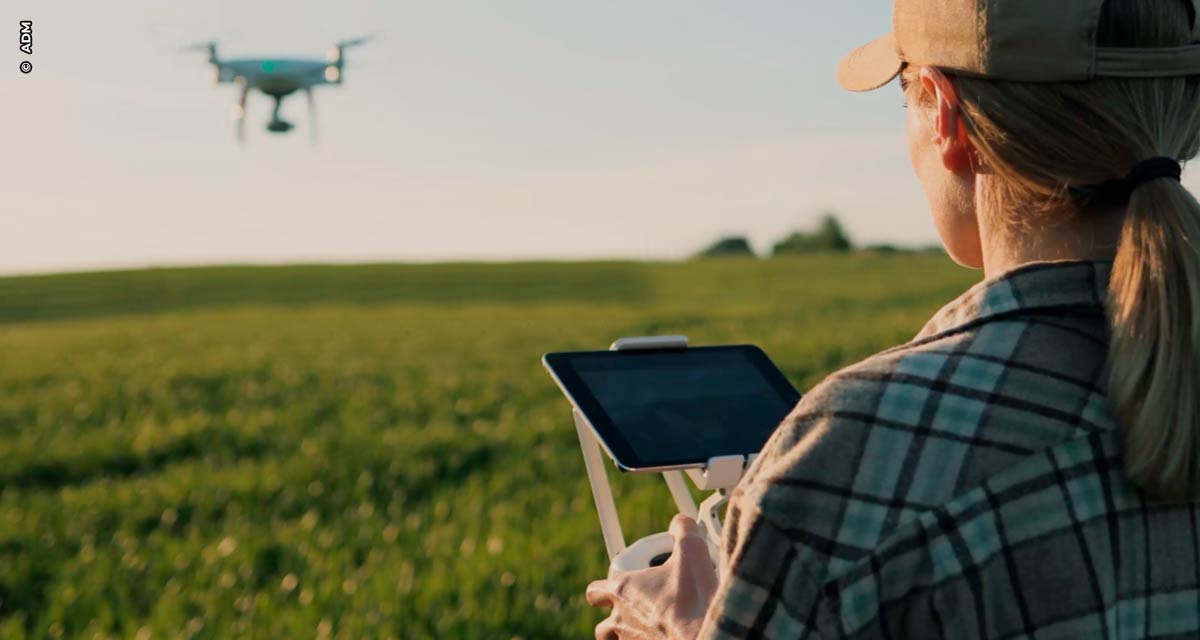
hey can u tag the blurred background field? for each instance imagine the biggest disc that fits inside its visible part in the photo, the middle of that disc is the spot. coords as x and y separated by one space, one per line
359 451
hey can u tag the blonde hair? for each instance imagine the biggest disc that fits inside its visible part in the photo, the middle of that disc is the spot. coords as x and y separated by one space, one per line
1038 140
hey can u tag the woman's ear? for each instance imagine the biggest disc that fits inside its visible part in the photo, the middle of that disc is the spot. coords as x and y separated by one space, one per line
949 130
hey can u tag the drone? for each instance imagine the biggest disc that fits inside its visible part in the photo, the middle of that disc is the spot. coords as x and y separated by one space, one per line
278 78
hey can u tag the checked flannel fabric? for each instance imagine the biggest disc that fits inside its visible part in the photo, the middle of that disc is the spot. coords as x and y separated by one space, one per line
967 484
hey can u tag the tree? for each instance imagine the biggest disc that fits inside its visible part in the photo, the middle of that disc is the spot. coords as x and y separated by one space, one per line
828 237
729 247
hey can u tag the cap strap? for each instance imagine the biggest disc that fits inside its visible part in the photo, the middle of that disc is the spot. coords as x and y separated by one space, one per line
1161 62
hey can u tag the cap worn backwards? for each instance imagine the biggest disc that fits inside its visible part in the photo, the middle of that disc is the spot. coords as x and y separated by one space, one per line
1018 40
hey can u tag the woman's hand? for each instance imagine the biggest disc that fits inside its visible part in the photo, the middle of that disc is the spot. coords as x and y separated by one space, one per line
669 601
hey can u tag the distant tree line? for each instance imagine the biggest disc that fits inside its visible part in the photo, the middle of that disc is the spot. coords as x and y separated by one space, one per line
828 237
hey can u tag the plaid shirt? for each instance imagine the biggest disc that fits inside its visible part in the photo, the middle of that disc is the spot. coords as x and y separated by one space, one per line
967 484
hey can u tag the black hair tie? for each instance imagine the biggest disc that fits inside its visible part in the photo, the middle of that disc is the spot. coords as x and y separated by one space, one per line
1117 192
1153 169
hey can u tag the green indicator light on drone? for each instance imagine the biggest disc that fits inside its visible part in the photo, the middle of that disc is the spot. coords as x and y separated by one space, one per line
268 66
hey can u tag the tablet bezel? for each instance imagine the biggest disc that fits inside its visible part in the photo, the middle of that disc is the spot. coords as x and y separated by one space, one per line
562 369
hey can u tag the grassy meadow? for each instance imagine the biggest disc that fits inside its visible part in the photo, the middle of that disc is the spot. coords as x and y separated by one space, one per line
359 451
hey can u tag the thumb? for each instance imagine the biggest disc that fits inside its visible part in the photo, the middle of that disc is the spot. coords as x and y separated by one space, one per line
696 579
690 543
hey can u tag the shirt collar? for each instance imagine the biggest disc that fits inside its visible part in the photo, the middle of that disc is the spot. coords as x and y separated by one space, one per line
1039 285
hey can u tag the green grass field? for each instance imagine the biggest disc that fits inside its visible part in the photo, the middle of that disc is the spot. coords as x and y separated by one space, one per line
364 451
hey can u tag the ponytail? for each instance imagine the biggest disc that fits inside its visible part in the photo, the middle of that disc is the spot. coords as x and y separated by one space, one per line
1154 353
1039 141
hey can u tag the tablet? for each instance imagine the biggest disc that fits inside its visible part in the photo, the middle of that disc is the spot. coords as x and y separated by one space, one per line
675 409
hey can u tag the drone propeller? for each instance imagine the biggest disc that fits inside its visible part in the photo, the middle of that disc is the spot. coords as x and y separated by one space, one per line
354 42
337 53
209 47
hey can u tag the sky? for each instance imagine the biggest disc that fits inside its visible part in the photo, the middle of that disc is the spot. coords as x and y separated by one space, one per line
467 130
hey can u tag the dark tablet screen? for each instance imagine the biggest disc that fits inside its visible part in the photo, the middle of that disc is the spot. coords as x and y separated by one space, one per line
655 409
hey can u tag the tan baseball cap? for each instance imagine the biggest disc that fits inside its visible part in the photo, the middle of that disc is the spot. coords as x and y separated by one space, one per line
1019 40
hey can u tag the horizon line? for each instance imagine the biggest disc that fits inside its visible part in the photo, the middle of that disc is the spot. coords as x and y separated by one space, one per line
366 261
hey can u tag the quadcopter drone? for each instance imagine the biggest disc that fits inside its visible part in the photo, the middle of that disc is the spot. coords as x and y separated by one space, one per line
278 78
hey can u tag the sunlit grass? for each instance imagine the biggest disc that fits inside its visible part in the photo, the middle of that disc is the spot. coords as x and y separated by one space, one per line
358 451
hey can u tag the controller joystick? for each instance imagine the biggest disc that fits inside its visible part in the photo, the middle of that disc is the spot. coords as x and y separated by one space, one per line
651 551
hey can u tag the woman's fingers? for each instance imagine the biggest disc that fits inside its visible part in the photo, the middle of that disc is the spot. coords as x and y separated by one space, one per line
678 590
607 630
673 596
601 593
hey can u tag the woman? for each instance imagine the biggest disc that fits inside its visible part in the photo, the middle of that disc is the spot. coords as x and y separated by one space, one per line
1029 464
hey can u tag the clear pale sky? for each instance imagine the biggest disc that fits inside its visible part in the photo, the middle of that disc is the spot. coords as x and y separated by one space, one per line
474 129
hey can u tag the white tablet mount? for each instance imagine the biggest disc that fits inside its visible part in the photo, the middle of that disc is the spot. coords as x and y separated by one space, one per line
719 475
